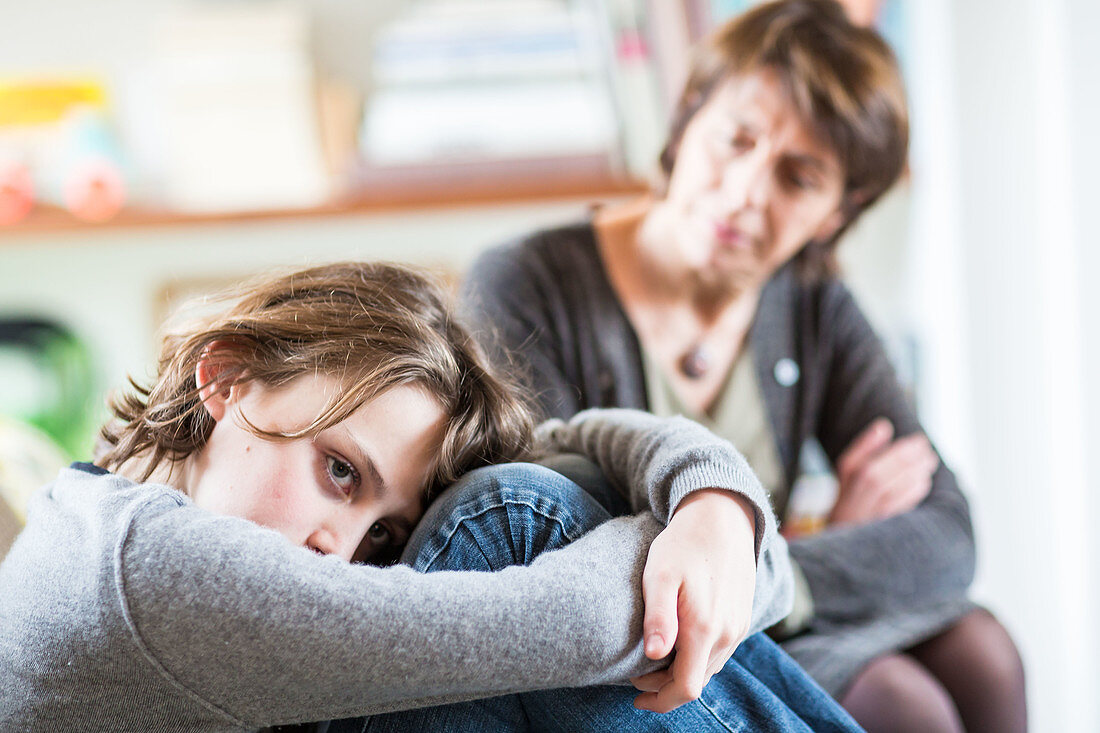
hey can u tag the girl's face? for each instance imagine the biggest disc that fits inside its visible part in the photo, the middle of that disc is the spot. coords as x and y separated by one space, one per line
354 490
750 187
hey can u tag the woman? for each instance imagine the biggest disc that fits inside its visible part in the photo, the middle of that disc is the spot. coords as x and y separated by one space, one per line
205 575
716 297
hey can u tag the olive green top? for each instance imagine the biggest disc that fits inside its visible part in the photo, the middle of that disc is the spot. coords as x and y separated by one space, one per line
738 415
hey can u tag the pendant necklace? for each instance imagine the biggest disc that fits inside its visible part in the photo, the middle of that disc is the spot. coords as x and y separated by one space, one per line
695 362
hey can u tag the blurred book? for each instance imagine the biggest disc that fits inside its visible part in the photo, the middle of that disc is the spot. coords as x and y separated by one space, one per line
237 104
449 41
503 120
627 38
485 80
673 31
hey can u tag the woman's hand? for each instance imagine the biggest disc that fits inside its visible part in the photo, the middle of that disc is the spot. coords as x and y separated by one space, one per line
881 477
698 588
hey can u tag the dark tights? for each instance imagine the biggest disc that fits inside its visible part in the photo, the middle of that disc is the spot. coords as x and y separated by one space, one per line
967 678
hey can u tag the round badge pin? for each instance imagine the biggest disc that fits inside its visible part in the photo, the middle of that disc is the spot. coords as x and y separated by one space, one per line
786 372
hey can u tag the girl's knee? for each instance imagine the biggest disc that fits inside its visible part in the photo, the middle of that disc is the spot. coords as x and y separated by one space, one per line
501 515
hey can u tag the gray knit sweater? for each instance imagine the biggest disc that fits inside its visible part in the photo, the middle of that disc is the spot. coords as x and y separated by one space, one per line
877 587
124 607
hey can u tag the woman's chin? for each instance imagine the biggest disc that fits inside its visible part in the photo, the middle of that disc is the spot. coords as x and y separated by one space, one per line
733 264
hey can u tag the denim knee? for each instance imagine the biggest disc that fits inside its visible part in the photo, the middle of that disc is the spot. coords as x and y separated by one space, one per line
586 474
501 515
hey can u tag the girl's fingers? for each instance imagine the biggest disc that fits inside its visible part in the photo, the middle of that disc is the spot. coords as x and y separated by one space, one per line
688 674
660 593
653 681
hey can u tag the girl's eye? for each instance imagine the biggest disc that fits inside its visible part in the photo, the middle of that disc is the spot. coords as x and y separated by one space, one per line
342 474
379 535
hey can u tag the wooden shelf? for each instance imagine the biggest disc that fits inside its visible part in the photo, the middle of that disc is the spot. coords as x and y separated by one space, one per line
381 191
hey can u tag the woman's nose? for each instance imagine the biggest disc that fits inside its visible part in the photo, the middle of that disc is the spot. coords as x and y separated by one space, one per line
747 183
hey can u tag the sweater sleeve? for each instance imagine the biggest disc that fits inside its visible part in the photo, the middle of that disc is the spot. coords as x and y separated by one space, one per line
913 560
237 618
656 462
510 304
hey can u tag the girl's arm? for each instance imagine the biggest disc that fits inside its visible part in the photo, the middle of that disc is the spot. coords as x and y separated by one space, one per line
656 462
261 632
704 588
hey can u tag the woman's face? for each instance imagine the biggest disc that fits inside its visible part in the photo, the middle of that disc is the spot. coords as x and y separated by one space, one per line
750 187
354 490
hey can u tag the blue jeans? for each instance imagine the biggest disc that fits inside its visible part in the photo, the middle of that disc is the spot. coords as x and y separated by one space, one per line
508 515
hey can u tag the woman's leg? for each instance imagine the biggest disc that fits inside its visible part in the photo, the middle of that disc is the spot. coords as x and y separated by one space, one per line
508 515
896 694
978 664
968 677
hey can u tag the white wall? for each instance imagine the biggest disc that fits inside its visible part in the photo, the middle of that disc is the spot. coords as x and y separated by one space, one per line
1082 21
1013 110
106 285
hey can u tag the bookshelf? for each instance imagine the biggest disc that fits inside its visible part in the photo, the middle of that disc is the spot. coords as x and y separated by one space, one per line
519 187
589 54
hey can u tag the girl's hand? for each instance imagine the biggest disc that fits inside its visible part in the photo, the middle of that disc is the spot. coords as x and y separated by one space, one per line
880 477
698 586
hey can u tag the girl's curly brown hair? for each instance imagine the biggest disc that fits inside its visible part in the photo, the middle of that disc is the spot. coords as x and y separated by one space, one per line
372 326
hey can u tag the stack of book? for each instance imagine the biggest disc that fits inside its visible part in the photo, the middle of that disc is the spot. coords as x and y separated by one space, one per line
232 94
482 82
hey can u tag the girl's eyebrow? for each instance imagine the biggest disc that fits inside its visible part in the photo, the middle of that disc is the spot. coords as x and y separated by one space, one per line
363 459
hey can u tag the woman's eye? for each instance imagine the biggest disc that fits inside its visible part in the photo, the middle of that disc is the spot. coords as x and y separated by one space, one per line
379 535
740 144
343 475
802 182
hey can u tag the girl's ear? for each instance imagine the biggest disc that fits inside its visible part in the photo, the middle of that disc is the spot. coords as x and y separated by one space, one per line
208 372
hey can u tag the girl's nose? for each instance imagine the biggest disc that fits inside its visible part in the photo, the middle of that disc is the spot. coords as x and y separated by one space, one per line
341 534
323 542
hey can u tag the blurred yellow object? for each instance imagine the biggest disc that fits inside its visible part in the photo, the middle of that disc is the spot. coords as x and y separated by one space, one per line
27 102
28 460
811 500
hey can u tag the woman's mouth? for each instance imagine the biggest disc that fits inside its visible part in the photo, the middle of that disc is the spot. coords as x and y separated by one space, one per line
731 237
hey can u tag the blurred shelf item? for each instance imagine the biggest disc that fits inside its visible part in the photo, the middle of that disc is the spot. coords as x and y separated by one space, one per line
236 94
473 80
389 189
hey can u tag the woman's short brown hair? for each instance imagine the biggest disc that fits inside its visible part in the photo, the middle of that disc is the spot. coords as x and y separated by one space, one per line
843 79
372 326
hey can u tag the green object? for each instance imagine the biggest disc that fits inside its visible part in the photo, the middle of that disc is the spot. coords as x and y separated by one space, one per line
48 380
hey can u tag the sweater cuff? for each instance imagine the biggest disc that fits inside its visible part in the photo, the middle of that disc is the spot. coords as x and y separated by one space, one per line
718 475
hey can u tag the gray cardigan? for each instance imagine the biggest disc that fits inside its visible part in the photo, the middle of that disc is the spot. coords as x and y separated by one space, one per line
125 607
876 588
